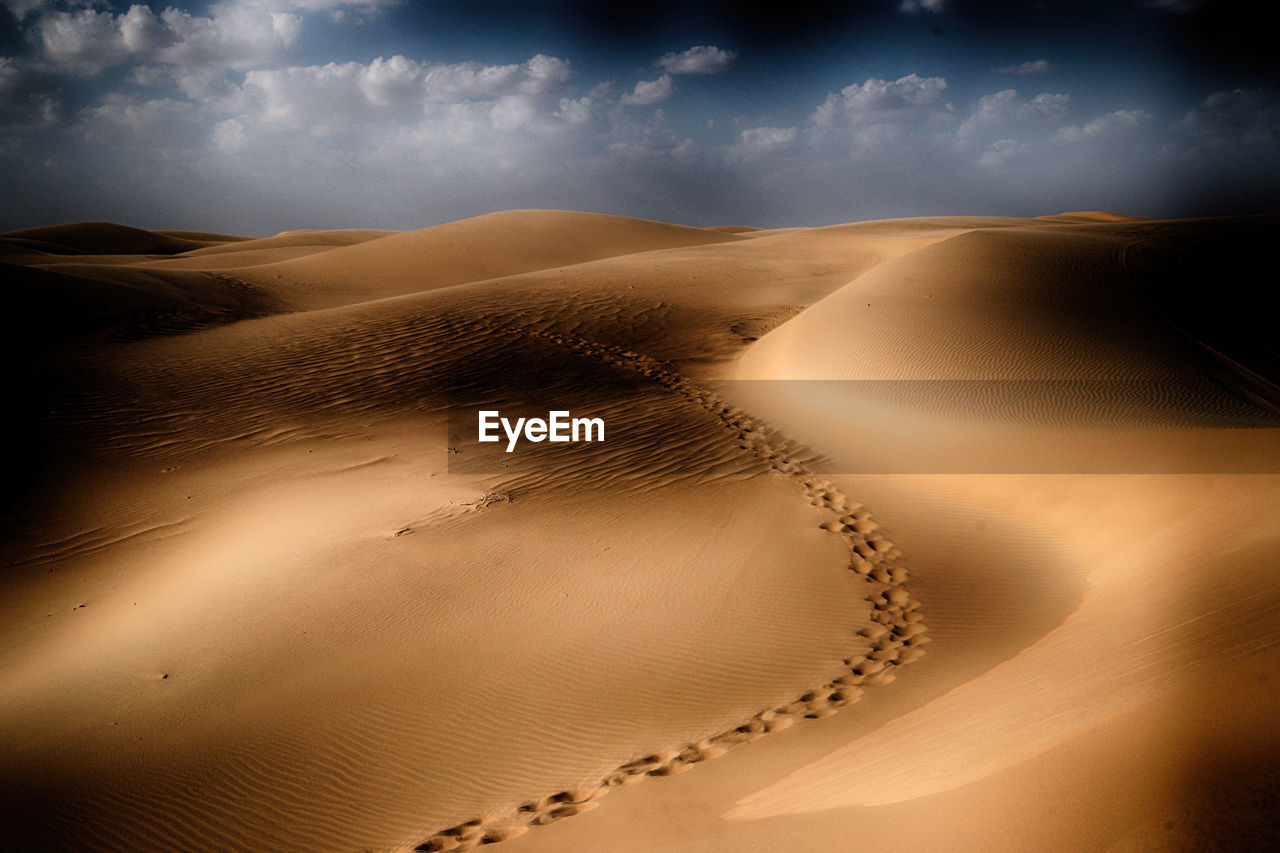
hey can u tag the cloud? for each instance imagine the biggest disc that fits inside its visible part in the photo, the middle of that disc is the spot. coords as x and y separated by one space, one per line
207 85
239 34
907 99
165 125
880 120
387 89
445 82
216 102
760 141
1038 66
229 137
915 7
27 97
1004 109
650 91
1247 116
577 111
1114 126
20 9
87 40
702 59
512 112
1002 152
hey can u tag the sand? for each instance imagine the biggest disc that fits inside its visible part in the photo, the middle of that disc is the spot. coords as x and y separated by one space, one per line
956 533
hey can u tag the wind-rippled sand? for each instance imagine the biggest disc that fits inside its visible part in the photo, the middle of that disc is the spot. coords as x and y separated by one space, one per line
1002 492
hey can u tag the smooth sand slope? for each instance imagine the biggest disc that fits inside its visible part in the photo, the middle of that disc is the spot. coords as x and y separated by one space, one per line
265 592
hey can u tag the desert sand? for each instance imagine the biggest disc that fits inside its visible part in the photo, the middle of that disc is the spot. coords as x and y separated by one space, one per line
958 533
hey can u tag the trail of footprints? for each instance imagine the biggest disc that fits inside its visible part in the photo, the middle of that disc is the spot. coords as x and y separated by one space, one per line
897 635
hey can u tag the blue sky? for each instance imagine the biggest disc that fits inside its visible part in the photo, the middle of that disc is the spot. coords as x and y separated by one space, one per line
253 116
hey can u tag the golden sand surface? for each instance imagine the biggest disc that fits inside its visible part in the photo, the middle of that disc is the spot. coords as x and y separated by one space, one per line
958 533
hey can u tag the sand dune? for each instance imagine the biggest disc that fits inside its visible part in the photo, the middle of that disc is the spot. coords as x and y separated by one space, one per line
1093 216
108 238
963 309
265 590
486 247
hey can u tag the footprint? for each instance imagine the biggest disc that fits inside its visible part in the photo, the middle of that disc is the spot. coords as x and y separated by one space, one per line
896 632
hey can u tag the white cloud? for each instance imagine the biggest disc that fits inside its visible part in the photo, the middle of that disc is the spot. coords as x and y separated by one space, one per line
1002 152
577 110
865 116
235 33
544 73
385 82
645 137
879 117
761 141
767 138
650 91
229 137
701 59
206 85
217 96
141 32
1022 69
538 75
512 112
88 40
878 98
165 125
86 37
384 89
1004 109
1113 126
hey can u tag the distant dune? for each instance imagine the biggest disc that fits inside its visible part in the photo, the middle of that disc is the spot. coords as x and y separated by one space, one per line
108 238
1093 216
486 247
949 533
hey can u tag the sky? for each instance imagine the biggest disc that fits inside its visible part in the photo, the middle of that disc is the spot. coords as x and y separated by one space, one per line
256 116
